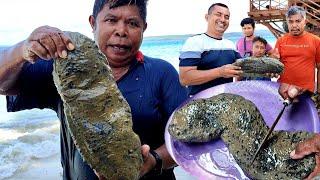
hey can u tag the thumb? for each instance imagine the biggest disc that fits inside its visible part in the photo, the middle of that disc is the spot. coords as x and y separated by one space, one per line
295 155
145 151
298 154
306 147
276 53
293 92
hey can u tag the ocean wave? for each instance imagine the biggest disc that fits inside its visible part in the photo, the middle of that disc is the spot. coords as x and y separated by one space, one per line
18 148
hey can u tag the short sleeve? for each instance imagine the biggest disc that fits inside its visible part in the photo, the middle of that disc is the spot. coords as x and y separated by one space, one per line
36 88
237 55
172 93
190 53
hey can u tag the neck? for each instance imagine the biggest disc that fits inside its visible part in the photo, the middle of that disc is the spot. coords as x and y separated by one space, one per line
118 72
299 34
249 37
215 35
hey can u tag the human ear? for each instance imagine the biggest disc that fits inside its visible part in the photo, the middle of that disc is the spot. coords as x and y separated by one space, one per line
145 26
207 17
92 22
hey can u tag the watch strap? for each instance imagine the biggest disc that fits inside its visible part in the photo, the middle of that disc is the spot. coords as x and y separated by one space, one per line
157 170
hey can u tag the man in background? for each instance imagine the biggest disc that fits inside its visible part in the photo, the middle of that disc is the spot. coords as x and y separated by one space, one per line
206 59
118 27
259 46
299 51
244 44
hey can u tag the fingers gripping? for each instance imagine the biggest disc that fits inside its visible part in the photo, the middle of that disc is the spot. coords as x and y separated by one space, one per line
316 170
230 70
47 43
307 147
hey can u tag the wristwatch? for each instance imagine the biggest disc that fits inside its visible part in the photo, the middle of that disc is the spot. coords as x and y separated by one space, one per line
157 170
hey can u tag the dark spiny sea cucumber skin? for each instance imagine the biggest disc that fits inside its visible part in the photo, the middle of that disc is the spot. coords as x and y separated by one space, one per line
98 117
241 126
259 67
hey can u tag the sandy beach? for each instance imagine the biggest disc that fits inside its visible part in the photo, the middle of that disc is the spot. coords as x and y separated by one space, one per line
50 169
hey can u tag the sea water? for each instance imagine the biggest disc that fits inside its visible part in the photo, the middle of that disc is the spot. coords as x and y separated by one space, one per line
34 134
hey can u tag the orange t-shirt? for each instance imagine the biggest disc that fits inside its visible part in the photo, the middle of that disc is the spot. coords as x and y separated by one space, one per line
299 56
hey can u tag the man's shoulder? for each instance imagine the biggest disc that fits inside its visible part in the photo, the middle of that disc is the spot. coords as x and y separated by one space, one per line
313 36
240 40
283 38
305 35
157 63
228 42
196 38
194 43
157 69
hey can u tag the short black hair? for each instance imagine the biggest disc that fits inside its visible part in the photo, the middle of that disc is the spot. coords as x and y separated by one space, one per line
141 4
260 39
216 4
248 21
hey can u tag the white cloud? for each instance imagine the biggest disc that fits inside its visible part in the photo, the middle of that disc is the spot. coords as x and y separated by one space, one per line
20 17
188 16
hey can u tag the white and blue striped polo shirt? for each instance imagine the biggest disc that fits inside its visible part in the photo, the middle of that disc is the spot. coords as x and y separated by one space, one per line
206 53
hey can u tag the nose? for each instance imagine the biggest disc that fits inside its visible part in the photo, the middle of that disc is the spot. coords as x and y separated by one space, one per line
121 30
294 24
222 18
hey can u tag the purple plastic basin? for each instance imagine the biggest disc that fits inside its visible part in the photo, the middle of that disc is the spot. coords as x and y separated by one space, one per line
212 160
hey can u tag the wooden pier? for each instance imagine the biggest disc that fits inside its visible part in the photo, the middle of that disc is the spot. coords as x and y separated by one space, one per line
271 13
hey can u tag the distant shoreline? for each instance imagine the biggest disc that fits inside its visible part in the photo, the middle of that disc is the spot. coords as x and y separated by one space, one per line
228 35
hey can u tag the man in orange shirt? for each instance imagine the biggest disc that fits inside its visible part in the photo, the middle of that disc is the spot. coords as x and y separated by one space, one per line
299 51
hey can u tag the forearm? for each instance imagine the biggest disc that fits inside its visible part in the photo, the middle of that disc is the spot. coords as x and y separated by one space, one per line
167 161
11 62
196 77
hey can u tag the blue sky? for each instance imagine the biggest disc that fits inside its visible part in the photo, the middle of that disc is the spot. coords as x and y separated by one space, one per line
165 17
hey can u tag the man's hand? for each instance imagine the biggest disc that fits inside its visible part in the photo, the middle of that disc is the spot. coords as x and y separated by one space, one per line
46 42
307 147
290 91
229 70
149 161
274 53
100 177
272 75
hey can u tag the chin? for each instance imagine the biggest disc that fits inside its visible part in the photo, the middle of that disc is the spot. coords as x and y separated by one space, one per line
295 34
221 31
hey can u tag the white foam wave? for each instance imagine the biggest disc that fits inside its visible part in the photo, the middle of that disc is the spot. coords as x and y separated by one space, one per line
21 146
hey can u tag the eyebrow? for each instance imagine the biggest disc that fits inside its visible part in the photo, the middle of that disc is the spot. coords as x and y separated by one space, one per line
130 17
109 15
295 19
